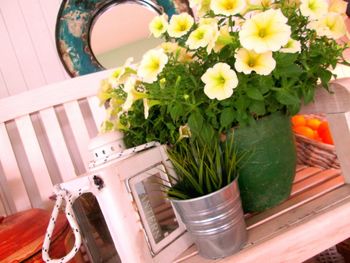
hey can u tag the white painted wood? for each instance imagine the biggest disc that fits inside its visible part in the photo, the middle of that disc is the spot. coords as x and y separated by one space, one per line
12 173
294 236
98 112
340 129
9 64
81 135
326 102
43 45
3 88
22 43
57 144
35 158
50 10
50 95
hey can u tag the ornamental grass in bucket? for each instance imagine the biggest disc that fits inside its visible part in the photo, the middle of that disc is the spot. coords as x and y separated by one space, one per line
241 68
205 194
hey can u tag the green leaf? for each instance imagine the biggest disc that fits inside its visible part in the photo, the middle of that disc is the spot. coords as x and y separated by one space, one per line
227 116
257 107
176 111
286 97
254 94
325 76
195 121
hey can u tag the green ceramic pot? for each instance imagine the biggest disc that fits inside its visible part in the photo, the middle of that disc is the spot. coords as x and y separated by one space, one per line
267 176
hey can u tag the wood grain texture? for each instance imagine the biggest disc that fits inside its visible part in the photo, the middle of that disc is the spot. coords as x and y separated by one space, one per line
35 158
9 64
51 95
40 35
22 45
14 181
335 102
340 128
57 144
295 230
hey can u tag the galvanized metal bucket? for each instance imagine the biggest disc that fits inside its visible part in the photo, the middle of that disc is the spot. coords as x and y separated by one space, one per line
215 221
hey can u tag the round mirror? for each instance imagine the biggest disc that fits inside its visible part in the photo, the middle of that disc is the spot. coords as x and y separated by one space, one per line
115 35
93 35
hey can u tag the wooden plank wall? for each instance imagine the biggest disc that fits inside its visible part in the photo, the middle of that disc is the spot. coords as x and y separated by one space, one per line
28 56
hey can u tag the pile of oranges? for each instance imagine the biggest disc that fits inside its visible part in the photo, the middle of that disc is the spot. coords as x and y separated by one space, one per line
312 128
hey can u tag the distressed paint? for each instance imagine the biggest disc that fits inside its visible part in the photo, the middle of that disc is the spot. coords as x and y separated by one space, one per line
74 20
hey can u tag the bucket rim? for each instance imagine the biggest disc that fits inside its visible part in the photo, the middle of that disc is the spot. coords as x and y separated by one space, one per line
204 196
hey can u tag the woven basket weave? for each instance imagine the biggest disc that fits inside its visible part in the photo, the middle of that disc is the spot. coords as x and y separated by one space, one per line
315 153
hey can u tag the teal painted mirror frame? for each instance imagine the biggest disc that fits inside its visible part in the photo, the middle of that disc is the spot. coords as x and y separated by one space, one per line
73 27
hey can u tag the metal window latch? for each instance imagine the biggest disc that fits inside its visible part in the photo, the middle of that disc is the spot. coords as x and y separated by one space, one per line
98 182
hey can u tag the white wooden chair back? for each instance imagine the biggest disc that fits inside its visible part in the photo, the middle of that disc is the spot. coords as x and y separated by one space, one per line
44 134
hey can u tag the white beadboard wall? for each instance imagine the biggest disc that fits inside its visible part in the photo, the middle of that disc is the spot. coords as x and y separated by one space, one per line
28 56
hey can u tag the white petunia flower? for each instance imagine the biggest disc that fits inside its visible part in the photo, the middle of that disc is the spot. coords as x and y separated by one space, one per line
331 25
180 24
220 81
203 36
152 63
159 25
293 46
227 7
266 31
313 8
248 61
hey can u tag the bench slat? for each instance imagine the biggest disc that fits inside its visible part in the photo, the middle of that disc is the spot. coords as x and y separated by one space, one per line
80 133
98 112
13 176
35 158
57 144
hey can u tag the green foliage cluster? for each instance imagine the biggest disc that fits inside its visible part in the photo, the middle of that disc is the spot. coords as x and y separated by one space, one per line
181 98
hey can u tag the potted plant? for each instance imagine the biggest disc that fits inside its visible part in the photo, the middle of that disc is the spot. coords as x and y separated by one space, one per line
205 194
241 68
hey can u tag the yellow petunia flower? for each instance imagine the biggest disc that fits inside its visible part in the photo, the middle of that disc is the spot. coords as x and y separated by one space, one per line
180 24
223 39
184 132
313 8
132 93
120 74
202 6
152 63
158 25
104 92
227 7
203 36
180 52
266 31
293 46
331 25
337 6
248 61
220 81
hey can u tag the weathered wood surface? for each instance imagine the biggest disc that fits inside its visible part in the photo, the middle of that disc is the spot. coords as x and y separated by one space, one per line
311 220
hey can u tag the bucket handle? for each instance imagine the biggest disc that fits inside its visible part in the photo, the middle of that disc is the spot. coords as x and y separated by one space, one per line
62 195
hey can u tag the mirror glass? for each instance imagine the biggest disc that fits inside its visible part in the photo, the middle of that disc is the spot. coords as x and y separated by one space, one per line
116 35
157 215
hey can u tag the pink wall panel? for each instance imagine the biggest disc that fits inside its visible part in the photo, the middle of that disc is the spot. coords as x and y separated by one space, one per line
22 43
9 64
43 42
3 89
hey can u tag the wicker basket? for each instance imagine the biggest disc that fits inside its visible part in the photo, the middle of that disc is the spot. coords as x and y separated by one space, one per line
315 153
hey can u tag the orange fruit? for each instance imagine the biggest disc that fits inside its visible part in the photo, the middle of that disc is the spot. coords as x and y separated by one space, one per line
325 133
313 123
306 131
298 120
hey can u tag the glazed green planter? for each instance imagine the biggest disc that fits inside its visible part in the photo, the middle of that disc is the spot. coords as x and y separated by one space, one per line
267 176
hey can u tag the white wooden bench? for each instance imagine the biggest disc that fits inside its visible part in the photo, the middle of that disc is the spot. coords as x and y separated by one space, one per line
44 135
